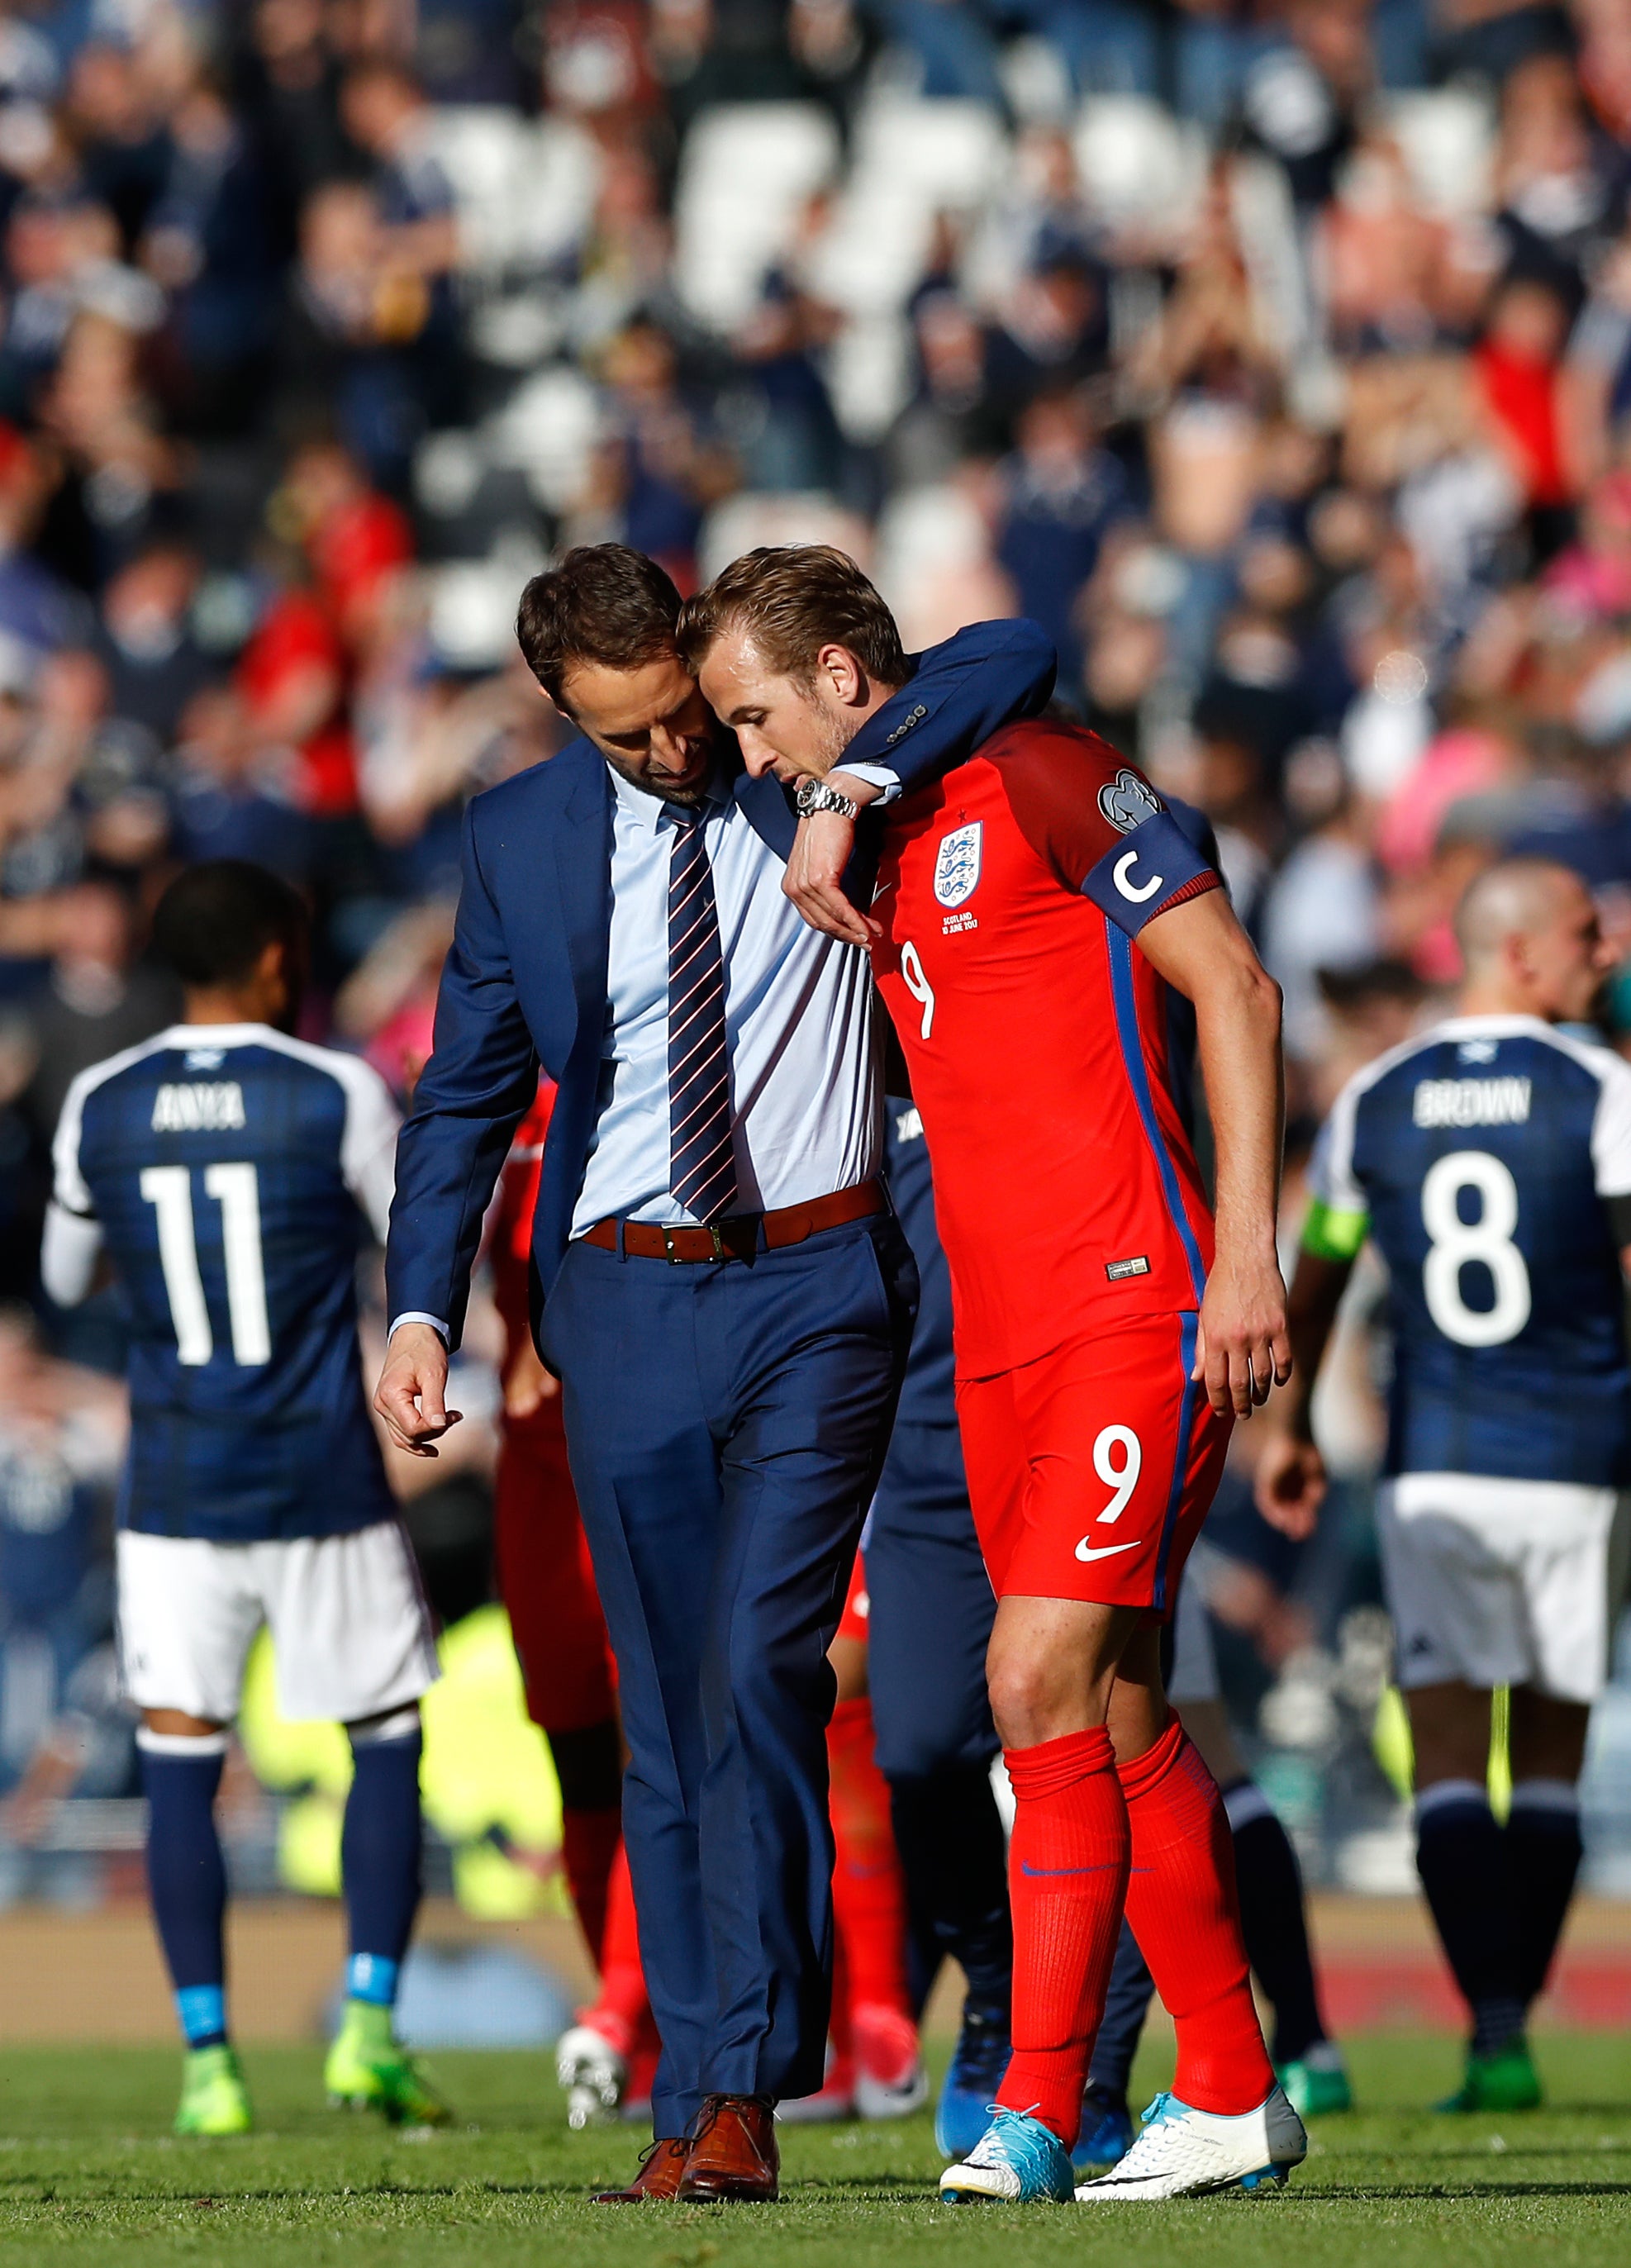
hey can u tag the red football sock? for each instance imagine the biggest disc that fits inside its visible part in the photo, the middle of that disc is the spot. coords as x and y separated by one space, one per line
590 1841
1181 1904
1067 1879
869 1887
621 2006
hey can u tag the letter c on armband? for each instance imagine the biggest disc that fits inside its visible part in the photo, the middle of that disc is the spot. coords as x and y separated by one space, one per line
1135 894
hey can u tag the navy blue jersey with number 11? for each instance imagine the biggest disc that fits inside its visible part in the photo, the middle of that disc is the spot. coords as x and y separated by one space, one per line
232 1174
1480 1158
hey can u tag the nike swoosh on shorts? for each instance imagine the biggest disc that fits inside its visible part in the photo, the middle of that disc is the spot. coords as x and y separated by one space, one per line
1106 1550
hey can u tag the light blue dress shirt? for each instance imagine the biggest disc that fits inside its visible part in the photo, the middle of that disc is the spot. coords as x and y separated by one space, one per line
806 1113
805 1053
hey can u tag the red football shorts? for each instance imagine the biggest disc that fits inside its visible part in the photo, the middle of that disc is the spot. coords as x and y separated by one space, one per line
1091 1470
547 1582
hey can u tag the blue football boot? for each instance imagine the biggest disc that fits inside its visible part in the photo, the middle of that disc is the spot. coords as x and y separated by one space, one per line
1017 2161
978 2068
1106 2133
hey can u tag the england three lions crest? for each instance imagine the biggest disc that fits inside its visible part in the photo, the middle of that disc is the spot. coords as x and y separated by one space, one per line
957 864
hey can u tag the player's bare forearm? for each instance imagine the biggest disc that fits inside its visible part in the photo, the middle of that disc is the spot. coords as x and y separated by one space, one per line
1202 948
411 1394
821 851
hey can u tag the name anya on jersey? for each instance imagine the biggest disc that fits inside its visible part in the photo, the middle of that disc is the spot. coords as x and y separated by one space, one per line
202 1106
1472 1102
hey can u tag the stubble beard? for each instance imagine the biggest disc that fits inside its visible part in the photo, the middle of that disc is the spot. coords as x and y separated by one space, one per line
833 736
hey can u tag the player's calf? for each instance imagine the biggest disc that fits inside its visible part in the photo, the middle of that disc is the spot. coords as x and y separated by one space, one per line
380 1849
187 1879
1182 1908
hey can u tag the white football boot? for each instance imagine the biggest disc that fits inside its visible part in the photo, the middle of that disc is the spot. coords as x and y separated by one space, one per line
1185 2153
891 2081
593 2073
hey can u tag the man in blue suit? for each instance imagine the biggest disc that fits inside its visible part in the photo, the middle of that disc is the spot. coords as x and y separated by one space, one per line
718 1279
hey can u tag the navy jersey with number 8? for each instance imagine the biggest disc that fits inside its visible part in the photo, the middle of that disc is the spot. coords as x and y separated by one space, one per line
1481 1158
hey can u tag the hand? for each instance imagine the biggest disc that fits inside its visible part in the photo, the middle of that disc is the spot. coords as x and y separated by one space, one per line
1243 1348
821 851
411 1394
1290 1485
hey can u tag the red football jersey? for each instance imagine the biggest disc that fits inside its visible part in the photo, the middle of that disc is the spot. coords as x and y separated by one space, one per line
1066 1186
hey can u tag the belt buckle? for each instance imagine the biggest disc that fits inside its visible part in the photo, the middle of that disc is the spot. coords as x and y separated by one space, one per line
668 1245
719 1253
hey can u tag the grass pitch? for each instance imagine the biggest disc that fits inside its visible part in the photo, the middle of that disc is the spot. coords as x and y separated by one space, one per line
87 2170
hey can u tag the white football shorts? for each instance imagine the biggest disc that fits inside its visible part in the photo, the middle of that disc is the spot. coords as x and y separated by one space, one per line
1194 1658
351 1634
1503 1582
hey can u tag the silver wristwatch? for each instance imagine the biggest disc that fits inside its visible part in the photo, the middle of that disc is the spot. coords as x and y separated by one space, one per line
813 795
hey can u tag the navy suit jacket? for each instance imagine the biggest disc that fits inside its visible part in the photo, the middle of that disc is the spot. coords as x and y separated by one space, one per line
525 983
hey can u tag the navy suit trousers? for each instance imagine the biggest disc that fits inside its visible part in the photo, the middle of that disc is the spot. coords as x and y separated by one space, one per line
726 1427
931 1613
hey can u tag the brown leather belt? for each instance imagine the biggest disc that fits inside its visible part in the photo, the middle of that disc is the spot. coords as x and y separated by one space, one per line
737 1237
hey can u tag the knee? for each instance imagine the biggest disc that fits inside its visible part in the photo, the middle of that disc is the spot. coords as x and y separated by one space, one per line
1029 1700
771 1673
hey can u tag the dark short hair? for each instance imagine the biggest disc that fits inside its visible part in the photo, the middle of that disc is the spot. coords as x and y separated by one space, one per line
605 603
215 921
793 598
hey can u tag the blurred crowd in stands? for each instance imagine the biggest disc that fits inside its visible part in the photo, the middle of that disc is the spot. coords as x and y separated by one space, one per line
1274 354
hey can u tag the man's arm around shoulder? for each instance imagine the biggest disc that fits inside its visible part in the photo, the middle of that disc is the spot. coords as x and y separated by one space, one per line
961 692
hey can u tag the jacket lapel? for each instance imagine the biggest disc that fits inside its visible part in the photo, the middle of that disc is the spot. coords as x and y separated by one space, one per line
768 810
581 846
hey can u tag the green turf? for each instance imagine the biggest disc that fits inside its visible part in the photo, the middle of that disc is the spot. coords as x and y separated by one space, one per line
85 2165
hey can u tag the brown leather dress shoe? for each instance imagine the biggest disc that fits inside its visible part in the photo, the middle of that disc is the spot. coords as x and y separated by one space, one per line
658 2179
734 2158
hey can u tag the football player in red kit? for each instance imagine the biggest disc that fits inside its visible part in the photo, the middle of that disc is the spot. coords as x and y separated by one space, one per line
1031 909
548 1592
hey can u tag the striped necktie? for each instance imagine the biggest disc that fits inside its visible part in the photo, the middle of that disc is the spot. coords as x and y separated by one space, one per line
702 1174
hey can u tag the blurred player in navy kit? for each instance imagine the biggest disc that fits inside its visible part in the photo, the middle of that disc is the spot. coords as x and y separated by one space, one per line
230 1174
1489 1159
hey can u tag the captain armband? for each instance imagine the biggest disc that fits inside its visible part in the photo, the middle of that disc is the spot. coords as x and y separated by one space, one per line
1332 1233
1151 869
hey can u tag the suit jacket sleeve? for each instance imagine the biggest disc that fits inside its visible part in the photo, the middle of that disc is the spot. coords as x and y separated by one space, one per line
479 1083
964 691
